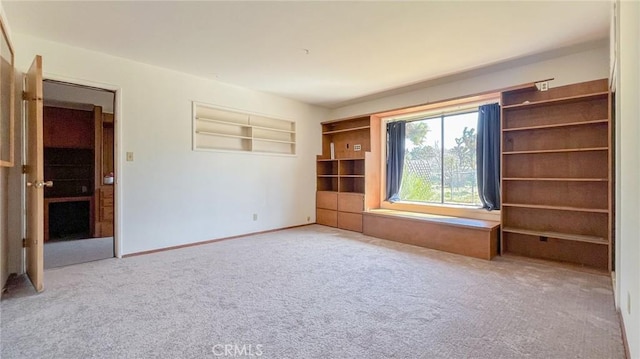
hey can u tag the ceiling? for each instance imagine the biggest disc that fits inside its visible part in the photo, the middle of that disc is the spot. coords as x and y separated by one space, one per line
324 52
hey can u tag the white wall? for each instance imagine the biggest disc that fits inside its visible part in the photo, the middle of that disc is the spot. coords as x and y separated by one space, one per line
583 65
628 174
169 194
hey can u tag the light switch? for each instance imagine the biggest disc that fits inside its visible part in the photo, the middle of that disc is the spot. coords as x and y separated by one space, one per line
129 156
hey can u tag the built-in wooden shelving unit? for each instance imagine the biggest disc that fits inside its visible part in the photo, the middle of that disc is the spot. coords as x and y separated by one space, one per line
341 172
556 174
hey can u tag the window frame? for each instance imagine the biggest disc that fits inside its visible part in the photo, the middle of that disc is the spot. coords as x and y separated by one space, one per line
419 113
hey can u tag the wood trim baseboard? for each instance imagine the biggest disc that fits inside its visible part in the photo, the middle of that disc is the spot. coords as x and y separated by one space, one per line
210 241
625 342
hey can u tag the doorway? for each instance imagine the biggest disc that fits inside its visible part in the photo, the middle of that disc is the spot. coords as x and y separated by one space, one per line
79 142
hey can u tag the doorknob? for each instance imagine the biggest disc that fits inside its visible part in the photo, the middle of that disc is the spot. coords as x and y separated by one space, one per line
40 184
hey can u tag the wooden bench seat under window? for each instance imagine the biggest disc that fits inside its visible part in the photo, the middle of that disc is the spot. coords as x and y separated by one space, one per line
469 237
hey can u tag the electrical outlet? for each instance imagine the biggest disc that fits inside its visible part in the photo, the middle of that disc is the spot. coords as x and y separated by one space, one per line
544 86
628 303
357 147
130 156
255 216
308 218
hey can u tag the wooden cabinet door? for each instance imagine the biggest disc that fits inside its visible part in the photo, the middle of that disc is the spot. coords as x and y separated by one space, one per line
350 221
327 217
35 176
350 202
327 200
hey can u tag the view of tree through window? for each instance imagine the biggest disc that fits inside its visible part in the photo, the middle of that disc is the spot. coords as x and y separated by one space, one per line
440 160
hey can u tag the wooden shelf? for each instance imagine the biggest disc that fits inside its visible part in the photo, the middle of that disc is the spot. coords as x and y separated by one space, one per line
222 135
328 176
557 150
227 123
352 176
556 125
270 140
565 236
70 180
559 208
346 130
555 179
211 120
271 129
560 100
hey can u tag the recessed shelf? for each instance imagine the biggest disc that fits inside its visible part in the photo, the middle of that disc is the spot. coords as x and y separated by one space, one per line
222 135
243 125
559 100
270 140
228 123
556 125
559 208
271 129
222 129
587 149
565 236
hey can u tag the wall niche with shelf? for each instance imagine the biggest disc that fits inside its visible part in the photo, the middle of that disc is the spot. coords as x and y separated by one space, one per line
216 128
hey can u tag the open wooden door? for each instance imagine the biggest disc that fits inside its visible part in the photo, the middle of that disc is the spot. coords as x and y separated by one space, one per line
35 175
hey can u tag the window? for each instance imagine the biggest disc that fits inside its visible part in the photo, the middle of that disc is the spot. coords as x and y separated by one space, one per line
440 159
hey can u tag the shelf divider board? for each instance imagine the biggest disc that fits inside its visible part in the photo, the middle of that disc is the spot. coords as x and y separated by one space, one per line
568 179
559 100
563 150
346 130
565 236
558 125
558 208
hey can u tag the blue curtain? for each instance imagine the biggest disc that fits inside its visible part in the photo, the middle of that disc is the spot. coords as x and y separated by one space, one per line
395 158
488 156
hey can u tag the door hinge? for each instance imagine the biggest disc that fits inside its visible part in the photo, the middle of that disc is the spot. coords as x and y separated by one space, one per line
25 95
25 169
24 243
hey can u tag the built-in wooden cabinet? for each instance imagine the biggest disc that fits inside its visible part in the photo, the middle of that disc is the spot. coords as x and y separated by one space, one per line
340 172
104 223
104 190
557 174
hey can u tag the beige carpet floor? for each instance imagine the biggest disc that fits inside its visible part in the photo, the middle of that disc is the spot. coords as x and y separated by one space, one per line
311 292
64 253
